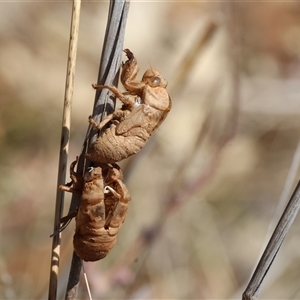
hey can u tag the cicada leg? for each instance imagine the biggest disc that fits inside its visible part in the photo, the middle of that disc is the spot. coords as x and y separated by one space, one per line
110 213
117 218
116 116
67 188
127 100
76 181
130 70
102 123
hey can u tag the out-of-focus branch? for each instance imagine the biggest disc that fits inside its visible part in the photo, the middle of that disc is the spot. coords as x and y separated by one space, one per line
186 65
189 60
273 246
108 74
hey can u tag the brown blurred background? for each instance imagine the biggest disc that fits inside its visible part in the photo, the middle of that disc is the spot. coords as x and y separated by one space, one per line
221 159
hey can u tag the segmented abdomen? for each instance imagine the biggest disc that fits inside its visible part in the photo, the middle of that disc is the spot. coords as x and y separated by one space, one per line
97 225
93 247
91 240
111 148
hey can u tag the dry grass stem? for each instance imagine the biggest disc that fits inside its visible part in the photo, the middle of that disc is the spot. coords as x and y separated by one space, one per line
64 148
87 283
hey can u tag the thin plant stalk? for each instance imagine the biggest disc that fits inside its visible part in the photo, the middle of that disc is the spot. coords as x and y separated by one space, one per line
273 246
64 148
104 104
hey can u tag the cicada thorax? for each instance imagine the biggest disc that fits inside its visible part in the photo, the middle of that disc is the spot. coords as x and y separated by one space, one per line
146 104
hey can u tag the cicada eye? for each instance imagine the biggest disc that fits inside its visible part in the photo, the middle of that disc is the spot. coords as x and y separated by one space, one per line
155 81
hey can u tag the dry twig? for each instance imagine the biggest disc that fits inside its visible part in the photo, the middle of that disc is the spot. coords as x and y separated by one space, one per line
108 75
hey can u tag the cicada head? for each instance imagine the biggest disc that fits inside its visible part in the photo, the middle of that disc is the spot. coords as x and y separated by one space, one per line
114 174
93 174
154 79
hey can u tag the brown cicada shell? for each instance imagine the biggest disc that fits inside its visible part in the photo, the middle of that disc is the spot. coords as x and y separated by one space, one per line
102 211
146 104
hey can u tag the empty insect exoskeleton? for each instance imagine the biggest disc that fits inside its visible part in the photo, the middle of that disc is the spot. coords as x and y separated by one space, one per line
146 104
102 211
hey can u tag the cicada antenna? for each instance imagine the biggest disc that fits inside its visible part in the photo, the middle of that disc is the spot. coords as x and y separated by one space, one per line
151 68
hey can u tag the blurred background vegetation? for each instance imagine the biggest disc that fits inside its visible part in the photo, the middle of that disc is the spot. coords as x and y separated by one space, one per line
219 162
